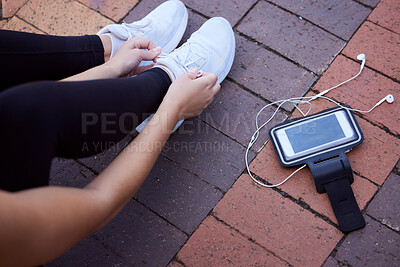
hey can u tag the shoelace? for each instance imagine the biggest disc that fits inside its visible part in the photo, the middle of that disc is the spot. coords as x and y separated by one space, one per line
137 26
189 55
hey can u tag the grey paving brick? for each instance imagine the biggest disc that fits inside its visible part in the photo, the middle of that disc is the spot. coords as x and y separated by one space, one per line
233 112
331 262
291 36
177 195
375 245
142 9
141 237
89 252
207 153
385 206
268 74
372 3
66 172
341 17
232 10
100 161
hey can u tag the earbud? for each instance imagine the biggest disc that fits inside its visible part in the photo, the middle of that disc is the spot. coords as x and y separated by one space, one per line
361 57
388 98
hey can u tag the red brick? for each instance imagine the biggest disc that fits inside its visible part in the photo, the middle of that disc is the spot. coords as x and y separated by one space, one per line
215 244
62 17
114 9
10 7
378 149
3 22
302 186
381 47
363 92
16 24
386 14
280 225
175 264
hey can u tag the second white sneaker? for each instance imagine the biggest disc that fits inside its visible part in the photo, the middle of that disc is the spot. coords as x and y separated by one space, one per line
210 49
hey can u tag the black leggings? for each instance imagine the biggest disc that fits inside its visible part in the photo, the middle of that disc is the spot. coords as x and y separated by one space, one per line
43 119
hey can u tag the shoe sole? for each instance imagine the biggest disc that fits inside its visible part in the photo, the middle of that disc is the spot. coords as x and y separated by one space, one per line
178 35
222 76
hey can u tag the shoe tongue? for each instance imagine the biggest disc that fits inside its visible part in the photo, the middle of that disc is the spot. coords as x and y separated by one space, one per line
118 31
126 31
139 24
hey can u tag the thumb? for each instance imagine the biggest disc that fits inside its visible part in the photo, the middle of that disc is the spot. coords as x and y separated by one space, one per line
149 55
192 74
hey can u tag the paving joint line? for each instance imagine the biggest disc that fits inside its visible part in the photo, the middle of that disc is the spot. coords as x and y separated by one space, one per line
385 225
299 202
97 11
336 248
248 238
194 174
34 26
380 26
366 178
245 14
249 38
307 20
160 216
371 68
245 88
365 5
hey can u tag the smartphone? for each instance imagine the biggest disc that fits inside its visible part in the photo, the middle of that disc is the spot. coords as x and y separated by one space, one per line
307 137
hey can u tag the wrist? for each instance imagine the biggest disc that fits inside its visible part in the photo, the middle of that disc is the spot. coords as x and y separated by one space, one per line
110 70
169 114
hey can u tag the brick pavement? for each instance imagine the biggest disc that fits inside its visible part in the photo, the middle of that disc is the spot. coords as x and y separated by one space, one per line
198 206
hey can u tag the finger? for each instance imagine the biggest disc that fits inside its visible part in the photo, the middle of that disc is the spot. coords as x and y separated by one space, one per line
143 43
210 77
192 74
140 69
215 89
149 55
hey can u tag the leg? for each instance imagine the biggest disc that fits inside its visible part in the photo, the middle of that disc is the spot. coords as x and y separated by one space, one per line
29 57
69 119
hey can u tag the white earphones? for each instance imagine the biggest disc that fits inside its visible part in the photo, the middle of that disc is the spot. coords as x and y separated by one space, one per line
360 57
304 100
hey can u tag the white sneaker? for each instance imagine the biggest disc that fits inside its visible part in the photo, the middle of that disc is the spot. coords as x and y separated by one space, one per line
165 26
210 49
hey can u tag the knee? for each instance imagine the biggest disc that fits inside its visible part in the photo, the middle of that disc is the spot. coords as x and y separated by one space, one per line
22 106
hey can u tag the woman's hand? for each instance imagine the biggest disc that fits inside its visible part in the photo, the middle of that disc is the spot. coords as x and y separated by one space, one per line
126 61
188 95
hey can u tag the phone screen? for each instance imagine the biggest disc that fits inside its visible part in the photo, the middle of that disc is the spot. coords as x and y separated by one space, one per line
314 133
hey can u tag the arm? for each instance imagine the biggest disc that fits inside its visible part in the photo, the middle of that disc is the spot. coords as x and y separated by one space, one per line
39 224
125 62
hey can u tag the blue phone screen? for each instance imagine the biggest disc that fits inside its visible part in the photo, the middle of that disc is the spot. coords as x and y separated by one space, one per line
314 133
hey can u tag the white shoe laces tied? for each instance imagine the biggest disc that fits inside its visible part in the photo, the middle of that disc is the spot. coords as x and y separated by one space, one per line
189 55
